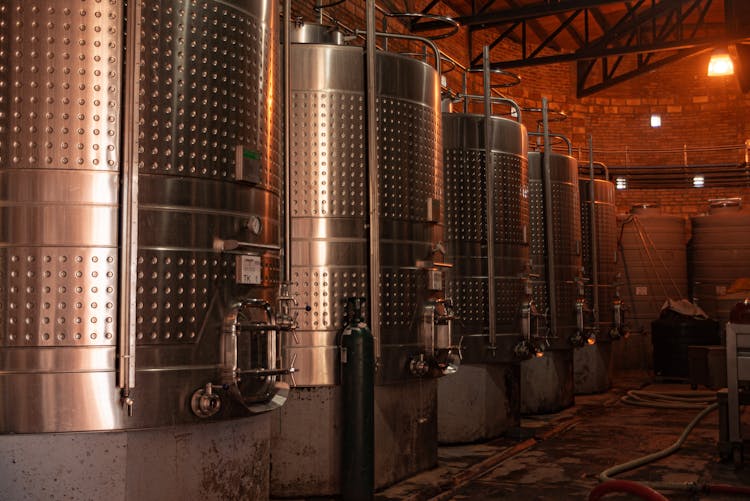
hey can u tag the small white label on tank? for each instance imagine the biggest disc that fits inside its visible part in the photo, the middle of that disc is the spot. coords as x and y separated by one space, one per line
248 270
641 291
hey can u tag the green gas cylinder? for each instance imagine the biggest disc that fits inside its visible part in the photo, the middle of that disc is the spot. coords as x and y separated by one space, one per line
358 394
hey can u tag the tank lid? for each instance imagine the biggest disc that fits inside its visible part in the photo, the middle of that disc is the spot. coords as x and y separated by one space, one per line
645 208
724 205
316 34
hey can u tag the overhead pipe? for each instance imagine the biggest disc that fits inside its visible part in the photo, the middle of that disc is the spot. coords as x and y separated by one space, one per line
490 200
564 139
549 220
602 165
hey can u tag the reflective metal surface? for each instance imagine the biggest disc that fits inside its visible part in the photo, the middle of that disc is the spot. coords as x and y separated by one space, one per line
466 232
593 363
208 163
606 244
556 367
567 236
315 33
329 234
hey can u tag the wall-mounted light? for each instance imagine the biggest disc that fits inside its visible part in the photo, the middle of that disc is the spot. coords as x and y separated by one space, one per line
621 183
698 181
720 64
655 120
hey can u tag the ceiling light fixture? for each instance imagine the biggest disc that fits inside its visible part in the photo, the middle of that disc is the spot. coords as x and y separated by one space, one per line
720 64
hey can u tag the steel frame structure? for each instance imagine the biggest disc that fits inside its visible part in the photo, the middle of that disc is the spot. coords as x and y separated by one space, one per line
646 35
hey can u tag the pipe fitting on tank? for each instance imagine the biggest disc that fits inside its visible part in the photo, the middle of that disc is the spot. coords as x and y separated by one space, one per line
419 366
204 402
256 387
528 307
436 334
617 331
585 334
526 349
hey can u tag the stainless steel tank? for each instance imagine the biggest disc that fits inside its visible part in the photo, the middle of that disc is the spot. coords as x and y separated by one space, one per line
466 243
719 254
593 363
193 138
653 262
329 218
466 227
547 382
330 255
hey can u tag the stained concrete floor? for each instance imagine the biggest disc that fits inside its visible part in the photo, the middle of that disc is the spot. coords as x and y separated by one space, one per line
560 455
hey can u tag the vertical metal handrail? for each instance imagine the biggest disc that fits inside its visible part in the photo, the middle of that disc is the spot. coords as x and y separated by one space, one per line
372 178
549 221
593 233
286 273
129 212
490 175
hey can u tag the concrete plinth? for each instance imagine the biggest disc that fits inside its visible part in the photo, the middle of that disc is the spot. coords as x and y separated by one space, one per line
212 461
306 438
547 382
592 368
634 352
306 443
405 430
479 402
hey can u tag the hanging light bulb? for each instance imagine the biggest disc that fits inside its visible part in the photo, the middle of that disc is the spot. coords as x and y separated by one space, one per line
720 64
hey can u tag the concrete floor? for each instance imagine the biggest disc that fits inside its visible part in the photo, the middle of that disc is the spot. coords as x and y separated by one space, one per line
558 456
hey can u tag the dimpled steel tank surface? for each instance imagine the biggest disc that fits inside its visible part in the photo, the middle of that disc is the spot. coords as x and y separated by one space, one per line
330 256
488 379
547 382
593 363
119 172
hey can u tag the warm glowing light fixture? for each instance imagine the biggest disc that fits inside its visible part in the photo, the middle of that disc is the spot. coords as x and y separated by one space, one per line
720 64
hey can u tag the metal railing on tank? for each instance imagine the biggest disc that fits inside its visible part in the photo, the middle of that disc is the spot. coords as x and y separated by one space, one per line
686 167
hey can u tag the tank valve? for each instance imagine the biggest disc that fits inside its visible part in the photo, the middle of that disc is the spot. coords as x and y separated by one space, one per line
526 349
205 403
419 366
618 310
583 338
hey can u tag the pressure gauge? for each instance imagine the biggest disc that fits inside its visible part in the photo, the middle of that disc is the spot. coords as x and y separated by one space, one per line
255 225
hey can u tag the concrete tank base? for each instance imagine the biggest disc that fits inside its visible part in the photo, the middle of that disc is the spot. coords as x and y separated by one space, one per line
479 402
633 353
547 382
405 430
306 443
592 368
306 438
212 461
